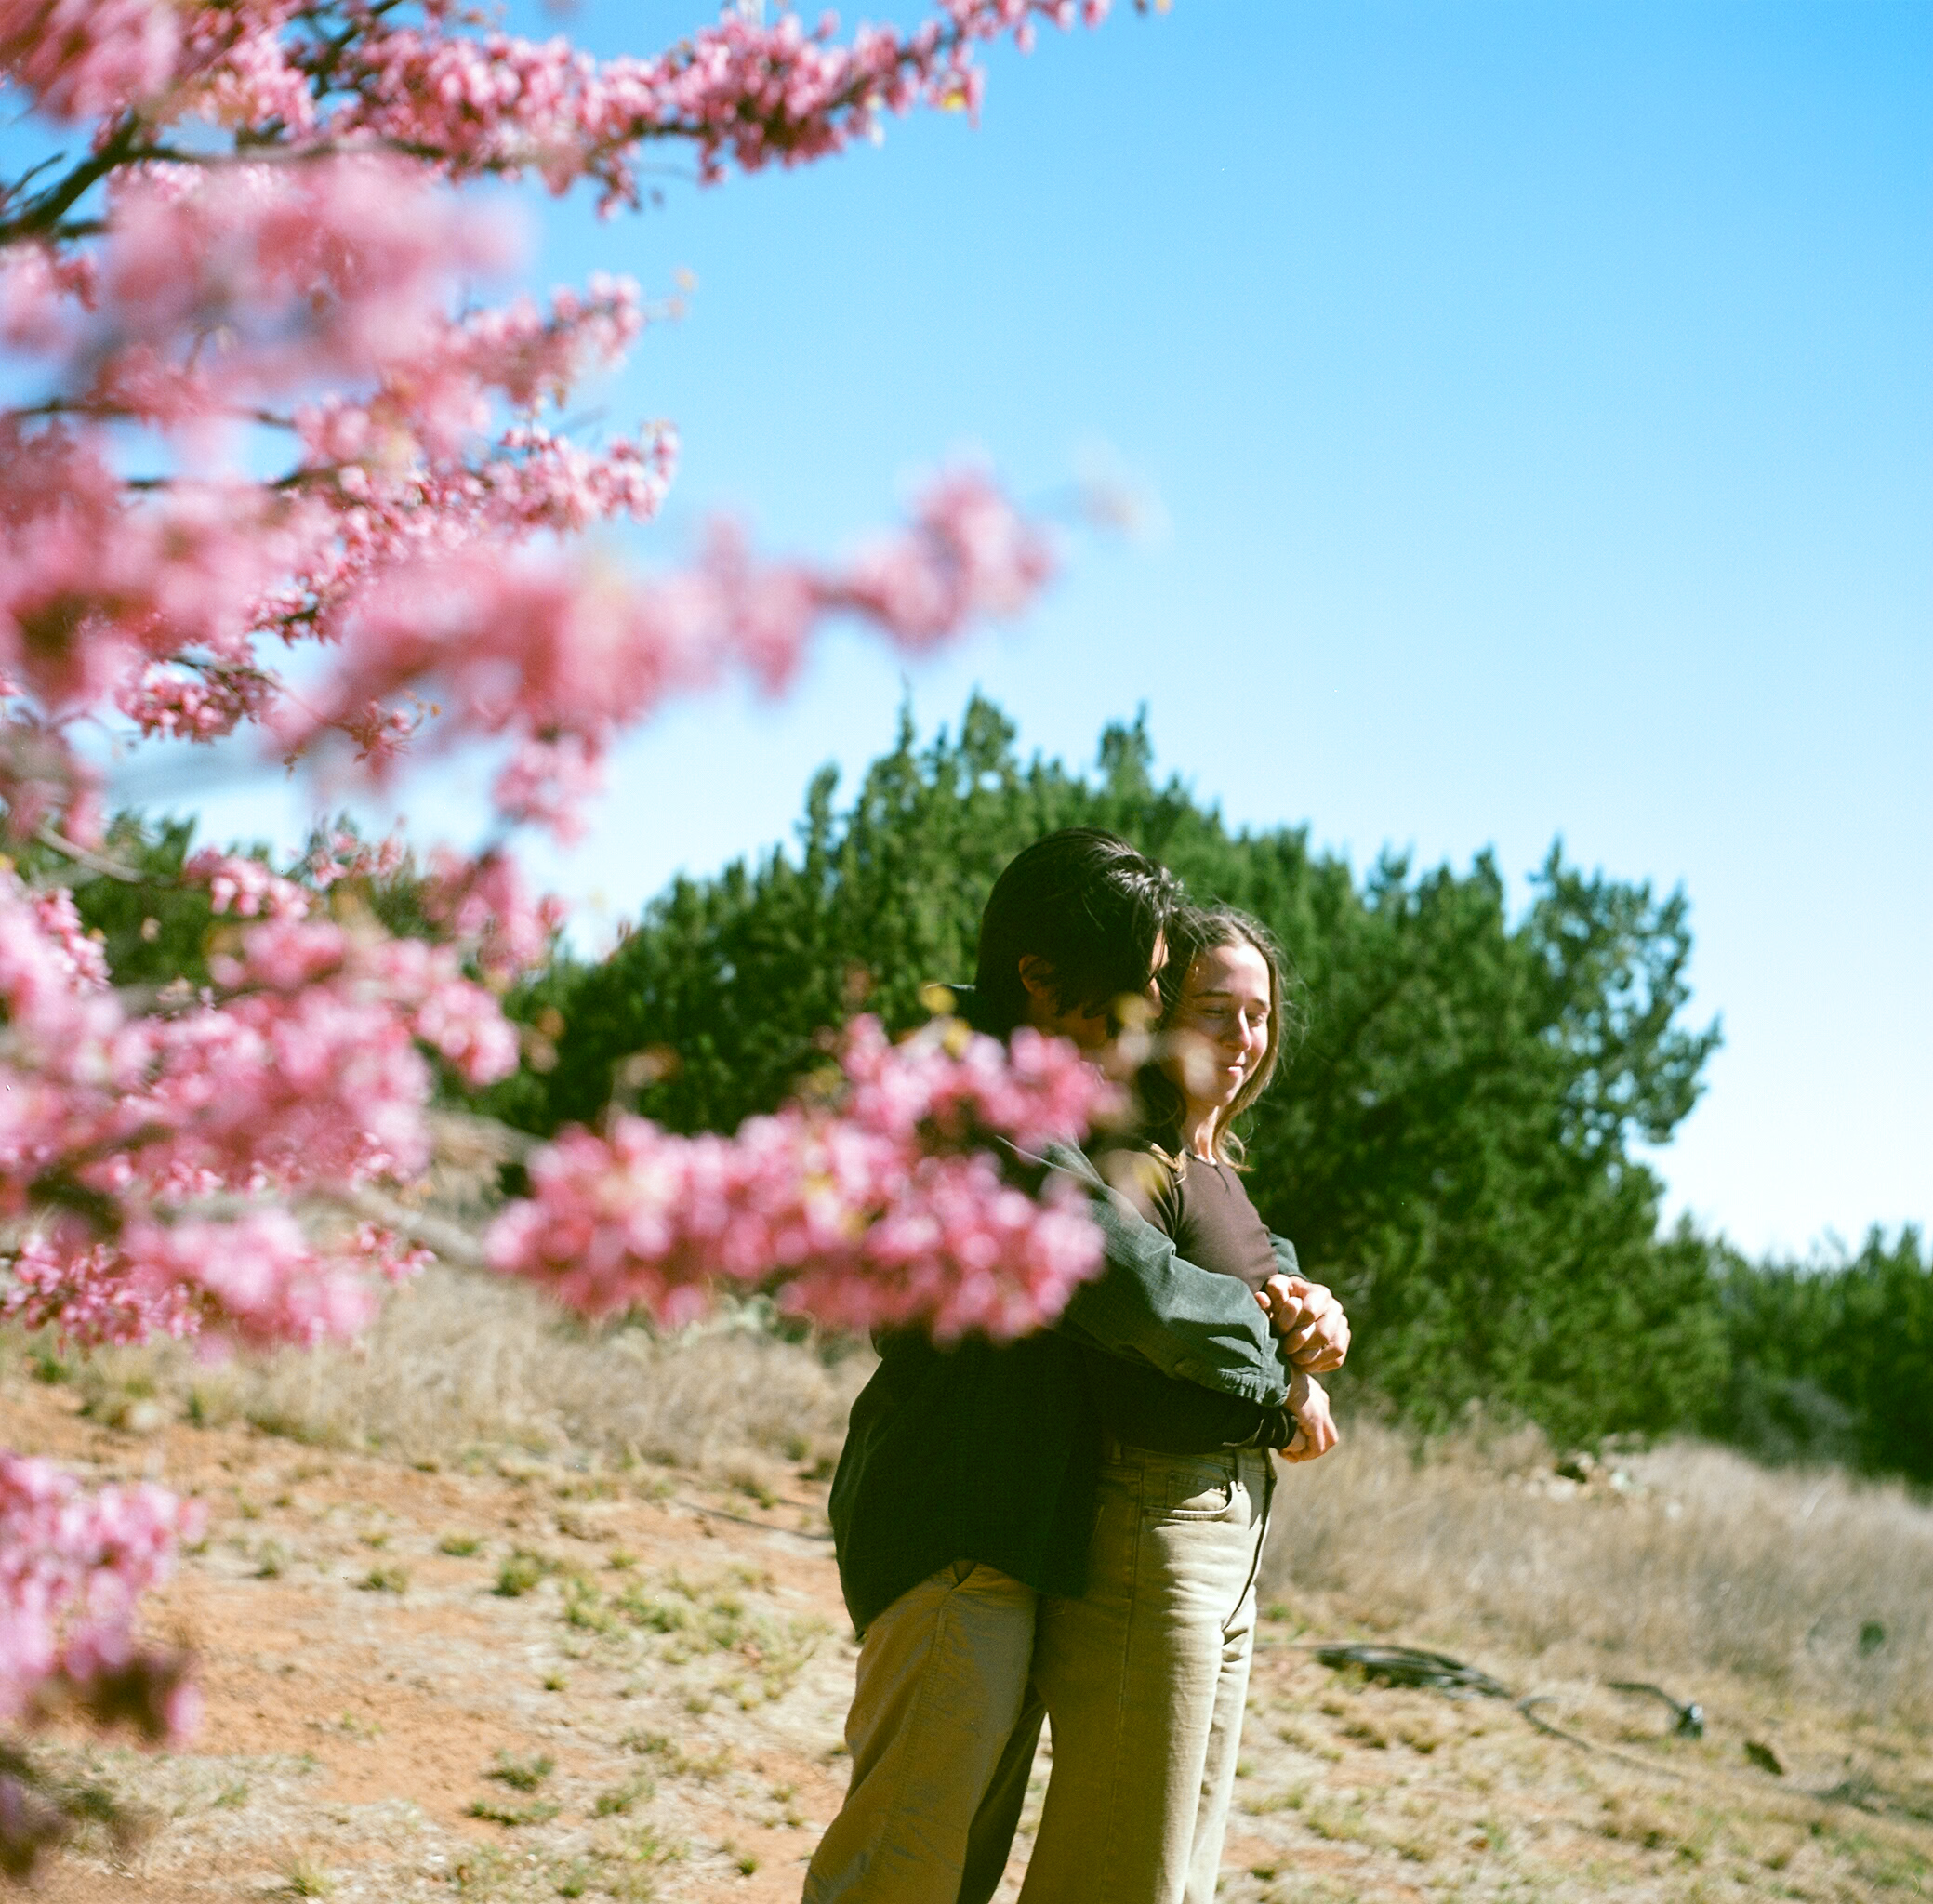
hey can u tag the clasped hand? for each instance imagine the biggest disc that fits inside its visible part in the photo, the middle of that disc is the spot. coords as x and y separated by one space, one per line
1315 1335
1310 1321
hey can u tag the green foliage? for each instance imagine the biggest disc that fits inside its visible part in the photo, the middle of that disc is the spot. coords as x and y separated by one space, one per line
152 932
1450 1147
1832 1360
154 929
522 1775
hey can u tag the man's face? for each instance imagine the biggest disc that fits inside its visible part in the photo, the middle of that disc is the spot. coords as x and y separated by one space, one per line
1103 1035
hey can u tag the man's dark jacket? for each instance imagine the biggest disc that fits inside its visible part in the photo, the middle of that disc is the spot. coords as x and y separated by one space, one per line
991 1452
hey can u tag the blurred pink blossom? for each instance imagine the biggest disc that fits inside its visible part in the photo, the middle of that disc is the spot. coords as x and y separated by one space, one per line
250 408
892 1207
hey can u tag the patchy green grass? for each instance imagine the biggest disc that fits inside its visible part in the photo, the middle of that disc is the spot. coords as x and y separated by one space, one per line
499 1811
619 1799
522 1775
521 1572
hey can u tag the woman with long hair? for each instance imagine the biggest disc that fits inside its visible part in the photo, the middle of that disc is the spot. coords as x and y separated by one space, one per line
1144 1674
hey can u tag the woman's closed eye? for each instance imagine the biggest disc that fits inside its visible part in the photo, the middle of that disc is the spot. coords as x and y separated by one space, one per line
1219 1020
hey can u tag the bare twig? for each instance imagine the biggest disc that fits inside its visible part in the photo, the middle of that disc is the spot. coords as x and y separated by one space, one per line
450 1241
57 841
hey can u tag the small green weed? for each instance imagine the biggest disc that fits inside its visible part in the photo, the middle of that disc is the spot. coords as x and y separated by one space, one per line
522 1775
584 1607
498 1811
677 1761
647 1610
619 1799
521 1572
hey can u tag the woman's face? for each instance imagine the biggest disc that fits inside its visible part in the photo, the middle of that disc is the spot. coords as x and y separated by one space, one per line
1219 1025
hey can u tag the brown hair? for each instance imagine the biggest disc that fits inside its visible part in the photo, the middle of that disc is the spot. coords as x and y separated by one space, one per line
1191 932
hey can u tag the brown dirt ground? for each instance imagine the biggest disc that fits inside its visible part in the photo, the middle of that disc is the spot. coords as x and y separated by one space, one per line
681 1658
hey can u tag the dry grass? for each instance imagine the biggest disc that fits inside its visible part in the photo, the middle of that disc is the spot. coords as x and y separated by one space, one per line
1684 1559
613 1684
461 1361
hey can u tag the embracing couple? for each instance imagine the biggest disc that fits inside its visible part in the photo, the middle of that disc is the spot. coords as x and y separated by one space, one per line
1070 1525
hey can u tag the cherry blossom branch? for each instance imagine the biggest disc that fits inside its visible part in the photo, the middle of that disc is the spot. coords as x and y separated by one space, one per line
230 1153
894 1203
584 656
55 841
451 1242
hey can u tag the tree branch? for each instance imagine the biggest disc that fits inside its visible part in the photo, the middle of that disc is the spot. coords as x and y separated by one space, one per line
56 842
450 1241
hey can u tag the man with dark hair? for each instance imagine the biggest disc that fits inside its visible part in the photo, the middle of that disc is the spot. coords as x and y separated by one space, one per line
1080 905
967 1486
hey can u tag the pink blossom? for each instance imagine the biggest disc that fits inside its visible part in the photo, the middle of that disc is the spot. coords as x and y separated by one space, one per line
342 856
259 248
483 902
195 700
245 887
72 1568
84 962
80 57
80 1289
894 1209
256 1275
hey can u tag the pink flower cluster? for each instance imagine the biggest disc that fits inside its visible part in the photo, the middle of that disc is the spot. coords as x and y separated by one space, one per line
750 91
396 537
138 1148
344 855
562 659
893 1205
484 903
246 887
245 412
72 1568
79 58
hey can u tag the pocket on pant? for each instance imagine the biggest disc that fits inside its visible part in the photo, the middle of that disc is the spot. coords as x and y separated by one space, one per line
1200 1494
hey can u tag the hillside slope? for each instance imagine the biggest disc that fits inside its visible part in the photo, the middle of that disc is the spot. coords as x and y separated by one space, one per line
488 1671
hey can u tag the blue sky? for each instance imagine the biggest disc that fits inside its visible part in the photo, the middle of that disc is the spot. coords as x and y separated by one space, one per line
1539 398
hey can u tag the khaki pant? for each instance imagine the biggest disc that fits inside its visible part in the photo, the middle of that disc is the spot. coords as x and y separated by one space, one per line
1145 1678
942 1731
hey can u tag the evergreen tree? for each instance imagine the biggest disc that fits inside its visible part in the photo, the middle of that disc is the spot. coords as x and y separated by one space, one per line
1451 1146
1832 1360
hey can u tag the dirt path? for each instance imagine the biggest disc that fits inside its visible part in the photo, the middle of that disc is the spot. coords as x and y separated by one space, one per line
520 1679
